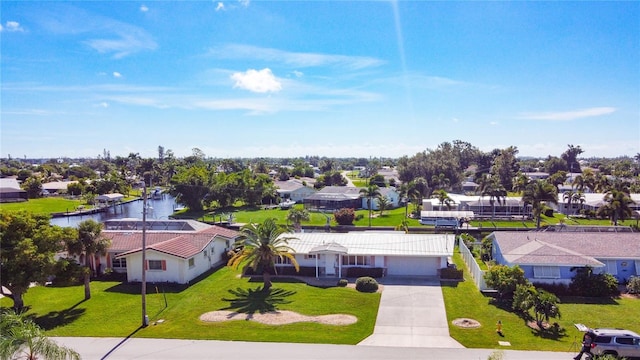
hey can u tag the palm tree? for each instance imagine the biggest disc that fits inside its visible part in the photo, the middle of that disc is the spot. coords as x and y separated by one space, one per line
21 338
616 206
579 183
296 216
260 245
537 194
568 197
443 197
383 203
520 182
370 192
89 243
496 192
407 192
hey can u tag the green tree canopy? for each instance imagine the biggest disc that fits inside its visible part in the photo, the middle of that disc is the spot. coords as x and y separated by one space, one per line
28 246
260 245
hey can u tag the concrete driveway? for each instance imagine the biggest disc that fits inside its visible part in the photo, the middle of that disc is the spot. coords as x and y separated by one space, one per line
411 314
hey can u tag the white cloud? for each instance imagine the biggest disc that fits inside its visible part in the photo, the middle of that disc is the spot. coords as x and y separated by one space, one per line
103 104
220 6
244 3
297 73
455 120
117 74
260 81
144 8
12 26
296 59
569 115
493 123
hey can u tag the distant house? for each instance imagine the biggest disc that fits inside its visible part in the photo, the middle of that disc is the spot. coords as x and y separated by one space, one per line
294 190
177 251
508 207
332 198
391 253
10 191
56 187
389 192
550 256
589 201
110 198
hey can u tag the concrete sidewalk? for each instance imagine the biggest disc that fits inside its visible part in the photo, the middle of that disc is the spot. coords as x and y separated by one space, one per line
412 316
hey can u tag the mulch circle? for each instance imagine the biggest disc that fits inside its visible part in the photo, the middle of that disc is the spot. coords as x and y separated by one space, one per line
466 323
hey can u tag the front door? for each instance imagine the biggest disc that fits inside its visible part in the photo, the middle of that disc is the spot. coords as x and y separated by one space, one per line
330 264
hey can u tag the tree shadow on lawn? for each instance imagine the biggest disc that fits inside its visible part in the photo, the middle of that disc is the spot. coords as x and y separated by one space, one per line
59 318
251 301
552 332
589 300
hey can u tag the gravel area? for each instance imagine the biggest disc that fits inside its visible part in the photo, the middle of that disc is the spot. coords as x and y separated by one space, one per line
278 318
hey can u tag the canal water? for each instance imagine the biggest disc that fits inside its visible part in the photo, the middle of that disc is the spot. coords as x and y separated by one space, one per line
156 209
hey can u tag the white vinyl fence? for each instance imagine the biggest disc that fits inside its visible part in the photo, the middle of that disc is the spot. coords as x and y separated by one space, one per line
472 266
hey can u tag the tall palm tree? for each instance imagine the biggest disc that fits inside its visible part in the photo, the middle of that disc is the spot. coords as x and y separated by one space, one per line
496 193
616 206
537 194
520 182
370 192
89 243
21 338
296 216
568 197
260 246
408 192
444 198
579 183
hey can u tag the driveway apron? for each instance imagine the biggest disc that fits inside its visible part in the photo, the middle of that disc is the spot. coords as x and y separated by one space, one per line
411 315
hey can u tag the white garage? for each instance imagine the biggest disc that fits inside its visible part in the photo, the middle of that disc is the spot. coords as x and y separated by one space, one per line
423 266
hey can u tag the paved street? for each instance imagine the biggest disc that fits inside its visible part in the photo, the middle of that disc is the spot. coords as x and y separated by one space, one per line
170 349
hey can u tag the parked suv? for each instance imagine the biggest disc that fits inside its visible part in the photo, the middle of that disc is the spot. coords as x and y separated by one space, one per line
617 342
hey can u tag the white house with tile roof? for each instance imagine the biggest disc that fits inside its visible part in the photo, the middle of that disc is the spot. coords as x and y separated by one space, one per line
550 256
293 189
177 251
395 253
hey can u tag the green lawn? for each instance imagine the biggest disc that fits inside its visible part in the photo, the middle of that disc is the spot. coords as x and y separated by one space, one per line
44 205
463 300
115 310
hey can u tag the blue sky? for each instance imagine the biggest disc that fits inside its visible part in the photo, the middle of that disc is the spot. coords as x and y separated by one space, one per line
336 79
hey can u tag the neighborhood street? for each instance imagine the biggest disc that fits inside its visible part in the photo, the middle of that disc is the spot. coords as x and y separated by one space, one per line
172 349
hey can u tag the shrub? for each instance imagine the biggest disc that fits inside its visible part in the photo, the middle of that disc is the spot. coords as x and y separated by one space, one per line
343 282
344 216
468 240
356 272
586 283
451 273
366 284
67 272
633 286
504 279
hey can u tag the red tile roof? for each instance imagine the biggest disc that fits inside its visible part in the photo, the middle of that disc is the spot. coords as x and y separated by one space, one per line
180 244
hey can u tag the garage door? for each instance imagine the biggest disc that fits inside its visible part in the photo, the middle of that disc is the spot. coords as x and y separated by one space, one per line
412 265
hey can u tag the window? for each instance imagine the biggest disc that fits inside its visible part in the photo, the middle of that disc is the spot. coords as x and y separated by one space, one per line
625 341
120 263
206 253
546 272
354 260
156 265
310 256
192 262
283 261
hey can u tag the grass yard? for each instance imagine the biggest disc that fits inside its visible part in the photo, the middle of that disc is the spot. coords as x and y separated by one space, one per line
43 205
115 310
463 300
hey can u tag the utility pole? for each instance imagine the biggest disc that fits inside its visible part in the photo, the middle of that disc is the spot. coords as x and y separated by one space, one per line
145 318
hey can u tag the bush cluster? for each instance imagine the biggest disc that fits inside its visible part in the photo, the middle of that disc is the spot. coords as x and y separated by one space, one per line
344 216
366 284
633 286
586 283
343 282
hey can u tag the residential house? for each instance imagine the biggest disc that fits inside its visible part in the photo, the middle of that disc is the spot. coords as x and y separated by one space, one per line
511 207
293 189
392 253
588 201
331 198
10 190
177 251
56 187
550 256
